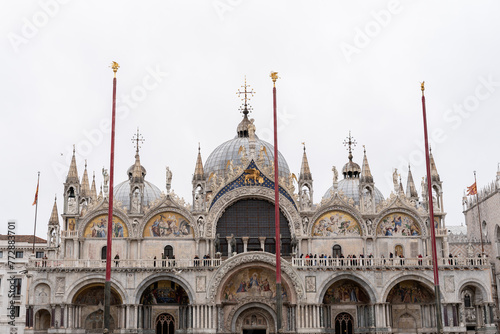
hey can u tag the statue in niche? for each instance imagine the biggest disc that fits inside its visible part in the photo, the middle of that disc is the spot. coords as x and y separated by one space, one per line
305 222
136 202
201 224
72 207
217 243
369 226
53 238
305 198
368 200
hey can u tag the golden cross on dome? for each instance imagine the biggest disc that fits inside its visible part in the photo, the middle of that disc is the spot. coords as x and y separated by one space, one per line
245 109
350 143
138 139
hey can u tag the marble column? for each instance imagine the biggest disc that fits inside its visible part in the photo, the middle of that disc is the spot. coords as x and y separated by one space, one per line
262 241
52 316
63 312
229 248
245 243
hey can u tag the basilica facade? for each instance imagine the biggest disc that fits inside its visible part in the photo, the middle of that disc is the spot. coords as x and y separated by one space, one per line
354 261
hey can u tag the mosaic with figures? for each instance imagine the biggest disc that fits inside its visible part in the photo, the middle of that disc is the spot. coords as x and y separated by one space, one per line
98 228
345 291
410 292
254 282
398 224
335 224
168 224
164 292
252 176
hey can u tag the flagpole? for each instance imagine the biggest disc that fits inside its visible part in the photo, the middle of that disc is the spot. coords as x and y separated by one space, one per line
36 210
279 301
479 216
107 284
432 227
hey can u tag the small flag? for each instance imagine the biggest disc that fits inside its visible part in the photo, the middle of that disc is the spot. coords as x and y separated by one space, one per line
472 190
36 194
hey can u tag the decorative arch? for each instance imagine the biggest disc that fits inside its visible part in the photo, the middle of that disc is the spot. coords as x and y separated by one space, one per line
238 261
235 314
323 289
476 283
168 224
348 212
76 287
93 294
164 210
34 284
404 277
400 223
336 223
42 294
139 291
230 197
42 319
96 226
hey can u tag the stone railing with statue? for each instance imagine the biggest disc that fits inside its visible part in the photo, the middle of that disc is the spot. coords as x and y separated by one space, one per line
423 263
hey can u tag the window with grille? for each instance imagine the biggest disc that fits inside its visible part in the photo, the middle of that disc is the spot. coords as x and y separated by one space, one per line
252 218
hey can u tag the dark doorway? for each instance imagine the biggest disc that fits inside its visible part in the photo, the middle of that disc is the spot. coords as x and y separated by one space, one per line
344 324
165 324
168 251
254 331
337 251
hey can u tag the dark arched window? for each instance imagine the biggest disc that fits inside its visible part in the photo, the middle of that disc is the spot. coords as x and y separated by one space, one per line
252 218
168 251
467 301
104 252
337 251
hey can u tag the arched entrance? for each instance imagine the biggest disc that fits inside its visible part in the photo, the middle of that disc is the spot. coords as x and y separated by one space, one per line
89 303
165 324
164 298
412 306
42 319
344 323
345 301
255 320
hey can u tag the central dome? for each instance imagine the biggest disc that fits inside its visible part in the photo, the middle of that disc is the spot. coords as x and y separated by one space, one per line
230 151
217 161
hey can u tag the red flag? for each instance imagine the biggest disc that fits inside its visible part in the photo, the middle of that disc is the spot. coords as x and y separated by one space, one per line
36 194
472 190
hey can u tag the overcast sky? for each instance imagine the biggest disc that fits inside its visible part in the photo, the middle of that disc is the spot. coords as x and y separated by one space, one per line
350 65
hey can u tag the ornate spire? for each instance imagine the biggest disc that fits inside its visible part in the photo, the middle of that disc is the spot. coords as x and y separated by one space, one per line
434 172
93 191
245 108
54 217
198 170
366 174
305 172
137 172
85 189
73 172
350 143
411 190
401 190
245 96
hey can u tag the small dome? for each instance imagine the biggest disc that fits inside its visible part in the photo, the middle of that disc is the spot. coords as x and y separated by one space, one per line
131 170
351 169
218 159
350 188
121 193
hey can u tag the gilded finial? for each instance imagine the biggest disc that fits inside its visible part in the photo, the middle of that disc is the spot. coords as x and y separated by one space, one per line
304 143
245 108
274 76
422 87
115 67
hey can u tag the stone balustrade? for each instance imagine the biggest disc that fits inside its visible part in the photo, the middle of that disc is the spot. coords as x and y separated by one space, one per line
148 263
388 263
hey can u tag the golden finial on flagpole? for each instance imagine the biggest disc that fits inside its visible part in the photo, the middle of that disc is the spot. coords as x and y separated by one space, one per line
274 76
422 87
115 67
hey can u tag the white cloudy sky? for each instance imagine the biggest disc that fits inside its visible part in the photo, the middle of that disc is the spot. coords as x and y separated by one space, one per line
350 65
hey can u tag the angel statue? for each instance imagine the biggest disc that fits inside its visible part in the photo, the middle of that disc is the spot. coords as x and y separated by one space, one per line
335 174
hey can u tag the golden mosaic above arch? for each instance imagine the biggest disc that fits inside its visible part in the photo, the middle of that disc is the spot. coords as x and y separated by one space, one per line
98 228
398 224
252 283
336 224
168 224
